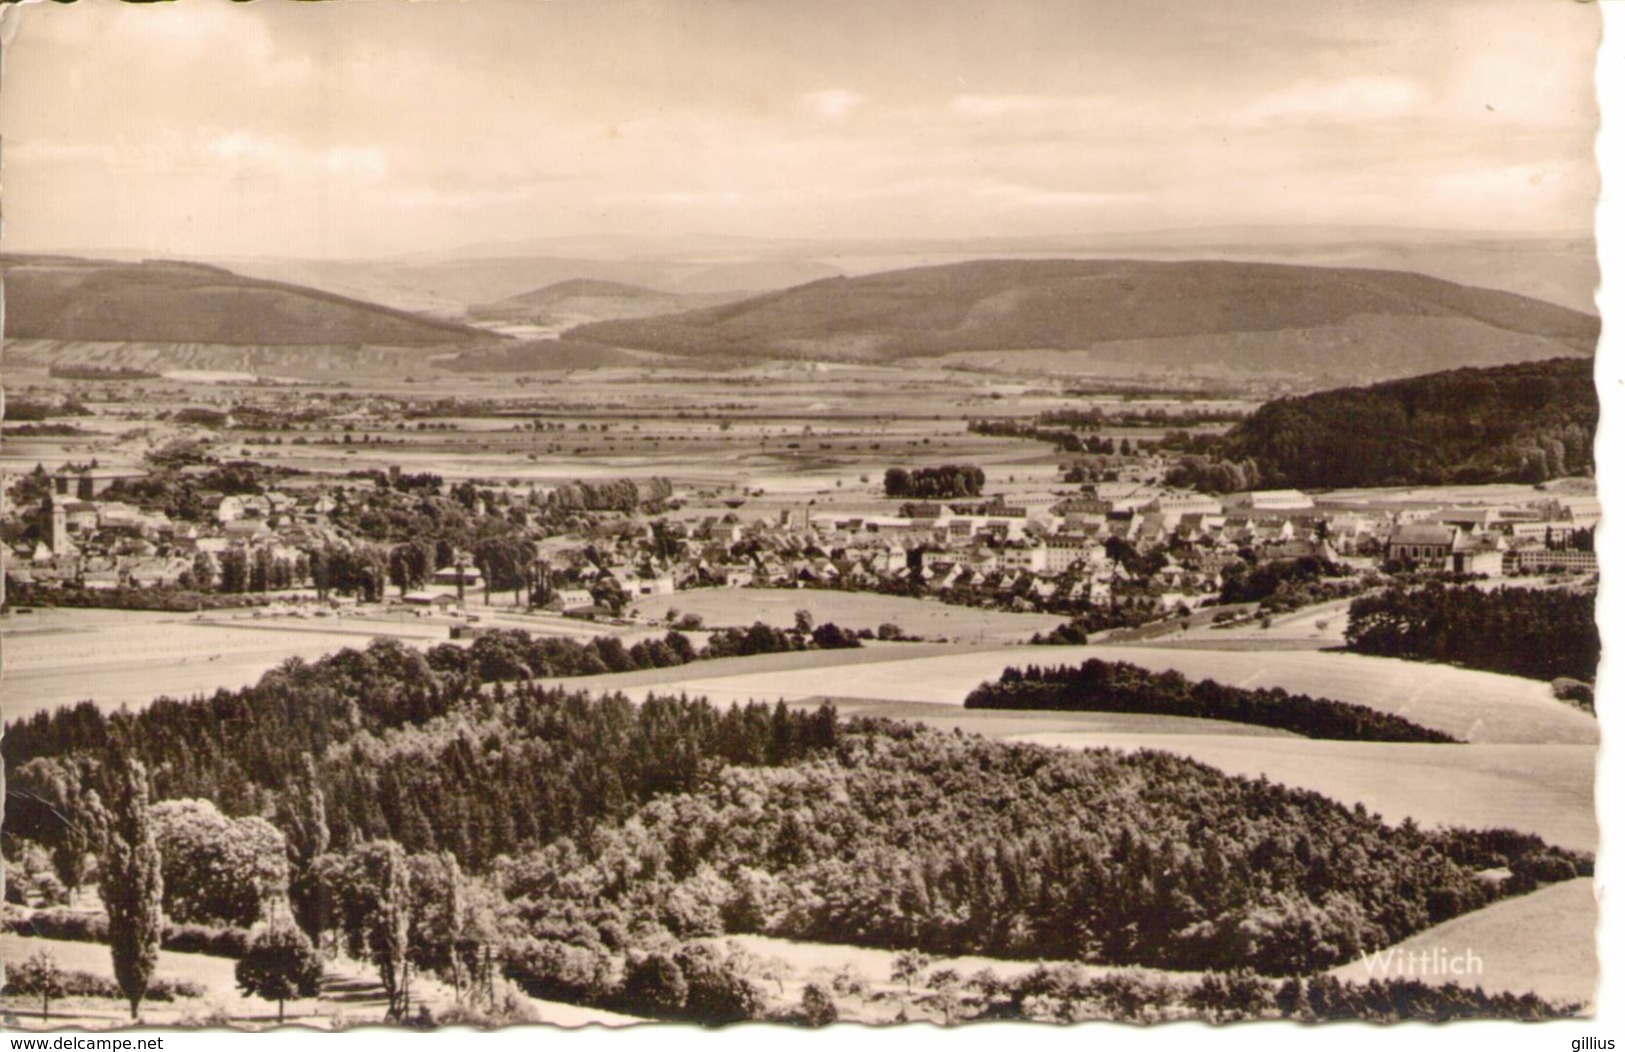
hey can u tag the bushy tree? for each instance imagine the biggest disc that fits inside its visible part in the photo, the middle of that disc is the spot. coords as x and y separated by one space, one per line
655 984
218 870
372 888
718 991
818 1005
280 965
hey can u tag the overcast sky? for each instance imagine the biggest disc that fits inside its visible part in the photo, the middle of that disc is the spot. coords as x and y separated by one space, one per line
365 127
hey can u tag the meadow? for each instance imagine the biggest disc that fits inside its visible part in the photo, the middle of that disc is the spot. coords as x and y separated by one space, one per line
1544 941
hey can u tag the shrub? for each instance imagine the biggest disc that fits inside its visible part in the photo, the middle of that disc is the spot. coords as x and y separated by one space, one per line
70 926
818 1005
1576 692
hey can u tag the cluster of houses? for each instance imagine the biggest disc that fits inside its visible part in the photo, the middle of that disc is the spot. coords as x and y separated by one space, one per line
1030 550
85 538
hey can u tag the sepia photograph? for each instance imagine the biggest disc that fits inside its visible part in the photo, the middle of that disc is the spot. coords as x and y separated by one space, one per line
595 513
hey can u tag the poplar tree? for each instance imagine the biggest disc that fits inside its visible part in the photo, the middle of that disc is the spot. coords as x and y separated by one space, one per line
132 882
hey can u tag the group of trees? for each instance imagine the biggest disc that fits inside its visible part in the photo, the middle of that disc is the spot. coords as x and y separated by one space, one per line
1099 686
239 570
1286 584
943 482
514 654
623 495
1214 474
1065 440
1542 633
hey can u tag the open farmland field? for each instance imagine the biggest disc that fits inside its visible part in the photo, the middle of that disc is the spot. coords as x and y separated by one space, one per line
1474 706
1542 789
1013 723
1545 941
727 607
676 677
129 658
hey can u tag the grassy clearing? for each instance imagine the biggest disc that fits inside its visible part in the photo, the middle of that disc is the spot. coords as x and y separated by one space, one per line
1545 941
63 657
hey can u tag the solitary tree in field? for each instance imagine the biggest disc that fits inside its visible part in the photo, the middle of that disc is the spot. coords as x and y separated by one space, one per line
280 964
132 883
909 966
944 984
40 975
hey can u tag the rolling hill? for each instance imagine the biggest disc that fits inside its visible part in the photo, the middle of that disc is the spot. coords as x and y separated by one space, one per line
586 300
1527 422
162 302
1325 323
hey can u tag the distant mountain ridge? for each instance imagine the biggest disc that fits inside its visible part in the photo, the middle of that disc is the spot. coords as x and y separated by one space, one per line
1219 316
172 302
1528 422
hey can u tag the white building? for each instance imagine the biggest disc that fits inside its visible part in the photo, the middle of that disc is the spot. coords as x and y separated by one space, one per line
1278 500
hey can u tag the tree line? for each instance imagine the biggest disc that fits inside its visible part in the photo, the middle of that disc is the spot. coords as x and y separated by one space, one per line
1100 686
1542 633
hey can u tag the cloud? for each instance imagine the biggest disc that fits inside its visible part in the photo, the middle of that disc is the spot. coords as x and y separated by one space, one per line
1352 99
832 103
242 152
1012 196
984 106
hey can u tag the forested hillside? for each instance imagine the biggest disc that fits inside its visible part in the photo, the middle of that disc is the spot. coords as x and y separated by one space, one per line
596 830
1527 422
